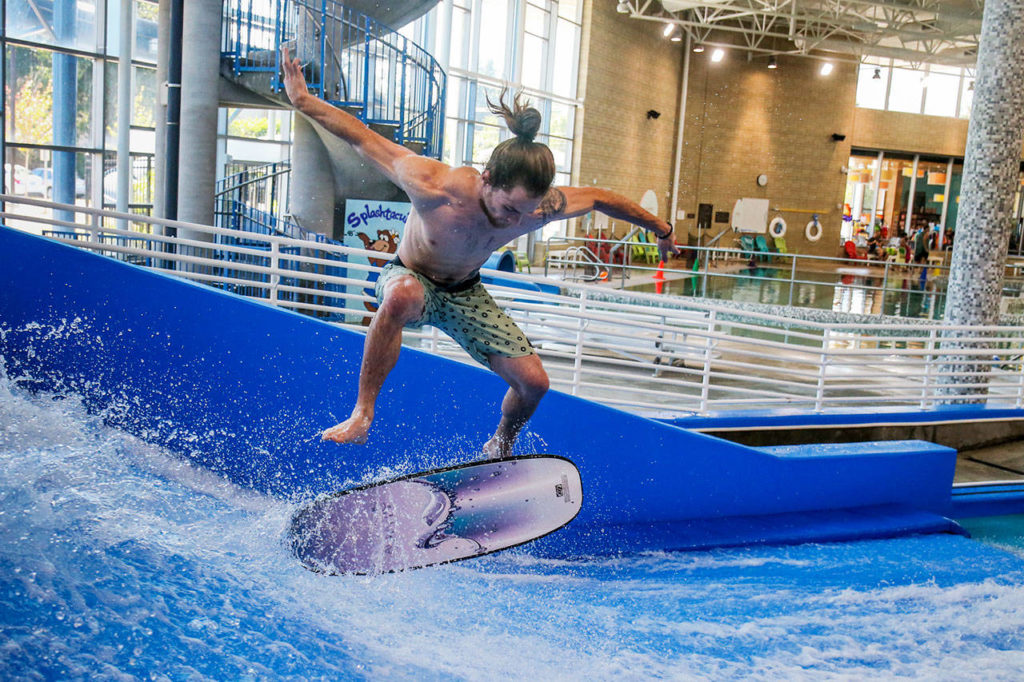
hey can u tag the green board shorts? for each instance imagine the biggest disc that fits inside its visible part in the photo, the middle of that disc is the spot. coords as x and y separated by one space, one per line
464 311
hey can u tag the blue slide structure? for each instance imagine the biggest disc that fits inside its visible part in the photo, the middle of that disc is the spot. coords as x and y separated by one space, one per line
244 388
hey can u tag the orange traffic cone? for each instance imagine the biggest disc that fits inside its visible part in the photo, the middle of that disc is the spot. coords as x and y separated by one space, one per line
659 278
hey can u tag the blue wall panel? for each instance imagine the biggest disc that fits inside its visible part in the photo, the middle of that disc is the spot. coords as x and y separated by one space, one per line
244 388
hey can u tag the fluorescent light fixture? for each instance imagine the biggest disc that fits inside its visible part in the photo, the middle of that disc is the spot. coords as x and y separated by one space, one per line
668 30
718 55
699 47
772 64
826 68
622 7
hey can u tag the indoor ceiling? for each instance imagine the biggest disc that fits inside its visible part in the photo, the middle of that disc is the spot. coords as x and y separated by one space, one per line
915 31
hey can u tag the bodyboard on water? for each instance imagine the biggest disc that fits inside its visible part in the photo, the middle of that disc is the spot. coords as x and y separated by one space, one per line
437 516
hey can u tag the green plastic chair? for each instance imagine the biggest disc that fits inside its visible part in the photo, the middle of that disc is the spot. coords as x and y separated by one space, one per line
747 246
523 261
780 245
762 246
644 251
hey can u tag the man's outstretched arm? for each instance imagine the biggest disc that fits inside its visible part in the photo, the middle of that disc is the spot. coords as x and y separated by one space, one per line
569 202
381 152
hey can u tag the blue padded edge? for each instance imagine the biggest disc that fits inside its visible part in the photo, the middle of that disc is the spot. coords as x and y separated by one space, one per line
987 499
783 418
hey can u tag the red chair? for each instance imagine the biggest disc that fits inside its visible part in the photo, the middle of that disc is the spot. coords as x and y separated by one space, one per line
851 251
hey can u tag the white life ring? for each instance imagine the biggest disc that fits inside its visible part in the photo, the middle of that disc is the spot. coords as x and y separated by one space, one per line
813 230
777 227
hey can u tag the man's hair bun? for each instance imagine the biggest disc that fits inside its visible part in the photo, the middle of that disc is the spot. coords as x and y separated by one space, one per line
522 120
519 160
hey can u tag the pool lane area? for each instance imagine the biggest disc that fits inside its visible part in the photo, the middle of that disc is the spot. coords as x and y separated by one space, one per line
842 289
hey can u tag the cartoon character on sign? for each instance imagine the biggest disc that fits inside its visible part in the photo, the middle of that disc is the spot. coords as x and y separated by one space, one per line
386 243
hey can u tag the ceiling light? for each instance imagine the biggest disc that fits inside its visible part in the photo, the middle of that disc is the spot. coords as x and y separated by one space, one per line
826 68
623 7
668 30
699 47
718 55
676 38
772 64
878 75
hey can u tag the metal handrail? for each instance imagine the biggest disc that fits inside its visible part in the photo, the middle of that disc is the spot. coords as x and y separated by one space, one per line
255 200
355 62
575 256
636 351
241 179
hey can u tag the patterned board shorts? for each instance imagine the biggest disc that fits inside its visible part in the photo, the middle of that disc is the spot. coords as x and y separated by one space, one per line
468 314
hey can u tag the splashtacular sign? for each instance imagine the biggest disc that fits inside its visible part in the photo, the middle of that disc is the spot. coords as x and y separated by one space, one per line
375 226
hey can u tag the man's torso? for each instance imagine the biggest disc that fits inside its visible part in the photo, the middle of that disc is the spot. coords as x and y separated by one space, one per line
447 238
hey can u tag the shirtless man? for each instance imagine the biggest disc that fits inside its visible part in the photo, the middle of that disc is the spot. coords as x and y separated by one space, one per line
459 217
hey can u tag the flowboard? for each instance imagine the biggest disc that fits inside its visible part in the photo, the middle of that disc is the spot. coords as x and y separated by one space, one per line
437 516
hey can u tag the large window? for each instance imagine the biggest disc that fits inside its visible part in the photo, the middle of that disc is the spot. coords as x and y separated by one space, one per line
485 45
901 194
69 24
930 89
60 101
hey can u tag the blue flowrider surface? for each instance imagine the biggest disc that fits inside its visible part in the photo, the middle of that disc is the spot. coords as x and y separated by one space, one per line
437 516
244 388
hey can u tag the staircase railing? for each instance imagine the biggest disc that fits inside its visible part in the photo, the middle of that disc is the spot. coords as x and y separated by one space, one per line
262 187
252 203
350 60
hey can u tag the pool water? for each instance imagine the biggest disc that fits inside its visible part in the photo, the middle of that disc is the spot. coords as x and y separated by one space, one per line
120 560
1001 531
905 295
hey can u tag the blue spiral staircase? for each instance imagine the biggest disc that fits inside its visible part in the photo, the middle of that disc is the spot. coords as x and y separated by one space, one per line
352 60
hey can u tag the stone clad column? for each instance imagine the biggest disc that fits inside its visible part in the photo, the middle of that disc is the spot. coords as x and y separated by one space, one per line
991 169
200 75
311 198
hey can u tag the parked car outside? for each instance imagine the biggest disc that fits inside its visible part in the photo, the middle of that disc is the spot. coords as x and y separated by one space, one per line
18 180
46 175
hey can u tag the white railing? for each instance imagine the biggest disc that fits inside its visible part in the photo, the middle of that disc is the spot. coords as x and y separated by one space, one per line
668 356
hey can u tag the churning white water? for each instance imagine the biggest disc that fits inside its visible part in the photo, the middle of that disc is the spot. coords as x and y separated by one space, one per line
119 560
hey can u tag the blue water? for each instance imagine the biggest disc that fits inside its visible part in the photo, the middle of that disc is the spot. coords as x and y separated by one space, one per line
119 560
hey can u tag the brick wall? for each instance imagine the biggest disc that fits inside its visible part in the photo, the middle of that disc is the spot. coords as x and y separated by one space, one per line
627 69
742 120
892 130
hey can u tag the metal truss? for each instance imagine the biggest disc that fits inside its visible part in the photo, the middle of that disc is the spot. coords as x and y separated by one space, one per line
915 31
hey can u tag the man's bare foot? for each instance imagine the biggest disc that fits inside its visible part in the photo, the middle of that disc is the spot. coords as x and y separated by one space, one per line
353 430
496 448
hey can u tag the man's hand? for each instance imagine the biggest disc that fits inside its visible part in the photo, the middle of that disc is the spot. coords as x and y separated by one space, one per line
294 81
667 245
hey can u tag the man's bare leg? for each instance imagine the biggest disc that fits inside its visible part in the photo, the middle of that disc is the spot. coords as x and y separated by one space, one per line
403 303
528 382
